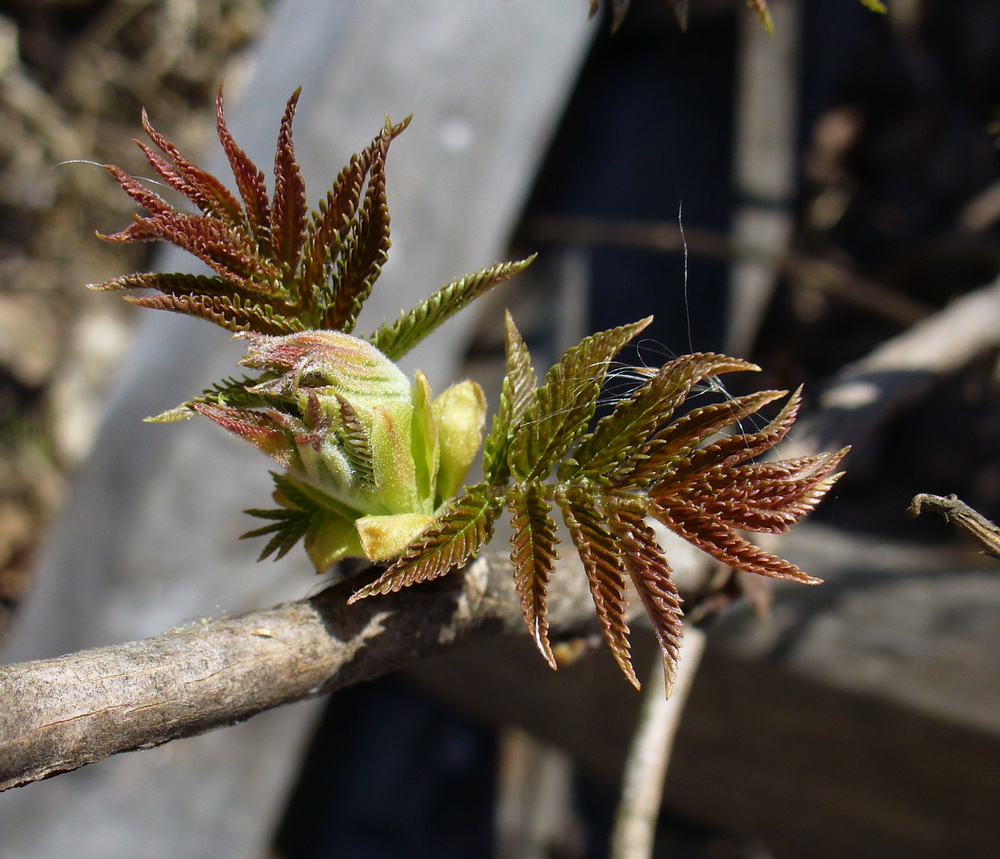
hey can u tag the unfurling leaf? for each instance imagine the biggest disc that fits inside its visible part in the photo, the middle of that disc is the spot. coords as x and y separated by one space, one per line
371 458
459 415
637 462
275 269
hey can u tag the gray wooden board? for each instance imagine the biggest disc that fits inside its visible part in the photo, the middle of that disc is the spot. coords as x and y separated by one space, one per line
149 537
862 719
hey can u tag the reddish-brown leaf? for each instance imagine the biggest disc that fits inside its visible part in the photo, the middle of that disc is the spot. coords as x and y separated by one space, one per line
605 567
258 428
724 544
738 447
225 312
328 226
533 555
767 496
670 448
366 245
151 202
199 186
288 208
650 574
249 180
336 214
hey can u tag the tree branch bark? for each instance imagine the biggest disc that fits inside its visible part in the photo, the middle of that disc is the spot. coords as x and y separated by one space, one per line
60 714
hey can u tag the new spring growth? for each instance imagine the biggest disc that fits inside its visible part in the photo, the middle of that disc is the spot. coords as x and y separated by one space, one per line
375 453
373 464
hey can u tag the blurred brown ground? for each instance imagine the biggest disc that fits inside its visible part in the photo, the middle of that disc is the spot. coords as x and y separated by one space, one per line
74 76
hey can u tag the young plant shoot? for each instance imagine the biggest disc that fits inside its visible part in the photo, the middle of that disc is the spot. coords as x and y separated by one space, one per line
373 463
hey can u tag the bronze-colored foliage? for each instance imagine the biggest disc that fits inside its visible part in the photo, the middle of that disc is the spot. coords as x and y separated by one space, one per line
278 267
637 462
534 555
371 459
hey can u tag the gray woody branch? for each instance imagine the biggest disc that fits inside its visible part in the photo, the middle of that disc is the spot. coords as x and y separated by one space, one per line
60 714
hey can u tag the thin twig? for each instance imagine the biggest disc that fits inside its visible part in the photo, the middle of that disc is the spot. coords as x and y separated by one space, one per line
957 512
649 755
60 714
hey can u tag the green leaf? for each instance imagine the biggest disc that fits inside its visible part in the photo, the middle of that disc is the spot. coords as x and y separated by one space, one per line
410 328
566 401
600 552
289 524
533 555
231 392
618 437
516 396
448 543
424 439
327 529
460 414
